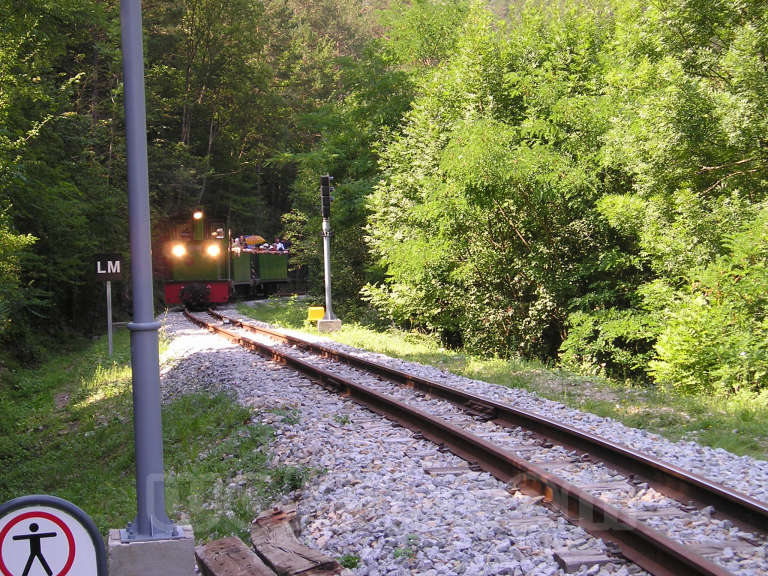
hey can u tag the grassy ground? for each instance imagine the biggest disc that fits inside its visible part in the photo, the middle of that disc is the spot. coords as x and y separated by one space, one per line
738 423
66 429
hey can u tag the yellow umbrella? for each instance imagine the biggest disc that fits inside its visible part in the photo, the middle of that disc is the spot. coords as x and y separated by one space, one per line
254 240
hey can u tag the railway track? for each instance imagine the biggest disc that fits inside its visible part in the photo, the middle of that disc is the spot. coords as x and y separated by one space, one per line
537 455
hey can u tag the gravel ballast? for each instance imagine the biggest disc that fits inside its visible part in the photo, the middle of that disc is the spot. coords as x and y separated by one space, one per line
375 495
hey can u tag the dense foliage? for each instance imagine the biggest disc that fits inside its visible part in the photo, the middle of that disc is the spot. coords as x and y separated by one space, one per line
589 183
230 90
582 182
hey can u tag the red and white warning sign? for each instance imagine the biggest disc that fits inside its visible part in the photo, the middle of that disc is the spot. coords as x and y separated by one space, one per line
39 540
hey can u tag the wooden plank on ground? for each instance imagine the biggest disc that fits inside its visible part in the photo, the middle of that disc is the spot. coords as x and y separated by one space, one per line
663 513
527 521
274 541
572 560
523 448
439 471
608 485
554 464
230 557
715 548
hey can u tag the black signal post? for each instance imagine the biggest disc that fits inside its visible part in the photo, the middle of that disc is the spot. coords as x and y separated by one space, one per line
329 321
325 196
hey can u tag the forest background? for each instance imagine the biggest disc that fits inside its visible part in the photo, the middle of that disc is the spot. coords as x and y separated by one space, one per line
582 182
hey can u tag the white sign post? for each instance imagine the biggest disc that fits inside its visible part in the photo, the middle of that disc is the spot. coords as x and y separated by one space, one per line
108 268
48 536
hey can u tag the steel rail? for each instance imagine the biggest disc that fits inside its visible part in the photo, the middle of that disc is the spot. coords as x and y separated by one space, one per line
666 478
642 545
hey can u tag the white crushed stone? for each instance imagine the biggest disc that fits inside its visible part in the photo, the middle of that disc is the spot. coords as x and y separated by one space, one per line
743 473
373 498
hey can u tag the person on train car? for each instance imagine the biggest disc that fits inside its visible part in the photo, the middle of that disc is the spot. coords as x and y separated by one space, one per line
279 246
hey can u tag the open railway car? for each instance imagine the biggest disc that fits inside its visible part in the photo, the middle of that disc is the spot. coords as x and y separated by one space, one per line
202 268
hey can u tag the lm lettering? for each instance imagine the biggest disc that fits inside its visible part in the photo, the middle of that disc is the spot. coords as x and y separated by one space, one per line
113 267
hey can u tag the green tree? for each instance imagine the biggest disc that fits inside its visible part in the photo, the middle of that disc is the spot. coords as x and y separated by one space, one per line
482 220
11 292
687 140
716 337
362 96
58 158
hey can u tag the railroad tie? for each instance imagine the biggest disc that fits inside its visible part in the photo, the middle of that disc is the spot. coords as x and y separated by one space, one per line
715 548
276 551
274 540
572 560
230 557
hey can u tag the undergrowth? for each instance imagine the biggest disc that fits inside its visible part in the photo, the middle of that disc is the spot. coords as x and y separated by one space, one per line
66 429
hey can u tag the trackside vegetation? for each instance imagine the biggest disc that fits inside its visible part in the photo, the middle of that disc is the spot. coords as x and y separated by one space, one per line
66 428
584 183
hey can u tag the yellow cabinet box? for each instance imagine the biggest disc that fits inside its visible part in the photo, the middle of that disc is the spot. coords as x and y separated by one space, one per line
315 313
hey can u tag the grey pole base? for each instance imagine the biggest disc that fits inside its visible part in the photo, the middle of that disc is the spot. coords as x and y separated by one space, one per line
326 325
172 557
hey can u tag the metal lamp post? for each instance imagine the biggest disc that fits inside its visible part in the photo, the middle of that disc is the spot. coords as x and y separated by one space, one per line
151 521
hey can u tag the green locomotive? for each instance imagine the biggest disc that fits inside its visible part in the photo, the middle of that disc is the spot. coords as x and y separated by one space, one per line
205 266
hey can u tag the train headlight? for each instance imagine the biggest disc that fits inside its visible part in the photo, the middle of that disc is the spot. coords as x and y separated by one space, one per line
179 250
213 250
197 214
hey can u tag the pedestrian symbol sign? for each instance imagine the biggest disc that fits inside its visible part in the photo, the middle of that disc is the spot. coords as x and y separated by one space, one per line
47 536
61 550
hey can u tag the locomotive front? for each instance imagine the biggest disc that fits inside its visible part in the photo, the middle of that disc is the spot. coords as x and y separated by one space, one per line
197 258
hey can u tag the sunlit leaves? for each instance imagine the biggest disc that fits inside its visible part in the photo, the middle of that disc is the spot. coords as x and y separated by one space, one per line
689 99
484 201
424 32
11 246
717 338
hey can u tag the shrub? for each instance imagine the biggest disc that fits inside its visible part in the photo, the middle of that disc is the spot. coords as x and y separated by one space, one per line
615 343
717 339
